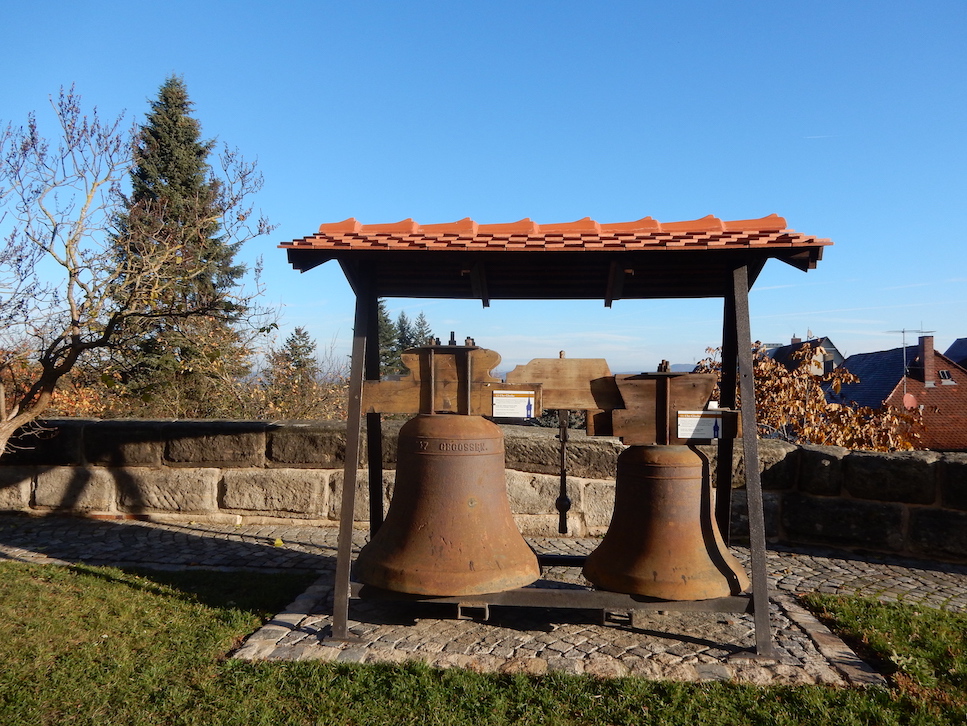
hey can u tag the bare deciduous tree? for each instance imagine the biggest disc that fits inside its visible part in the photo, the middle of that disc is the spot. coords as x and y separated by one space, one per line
65 293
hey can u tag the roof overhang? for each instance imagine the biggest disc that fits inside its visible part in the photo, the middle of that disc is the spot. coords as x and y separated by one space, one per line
577 260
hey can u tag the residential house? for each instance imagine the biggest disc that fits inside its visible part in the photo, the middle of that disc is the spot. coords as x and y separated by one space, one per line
825 356
915 376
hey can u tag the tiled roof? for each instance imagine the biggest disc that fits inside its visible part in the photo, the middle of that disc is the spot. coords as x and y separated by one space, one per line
957 352
574 260
879 374
583 235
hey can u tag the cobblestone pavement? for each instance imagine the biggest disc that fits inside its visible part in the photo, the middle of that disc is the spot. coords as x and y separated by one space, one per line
665 645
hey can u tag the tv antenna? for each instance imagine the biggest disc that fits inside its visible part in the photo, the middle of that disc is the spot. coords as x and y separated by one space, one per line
903 332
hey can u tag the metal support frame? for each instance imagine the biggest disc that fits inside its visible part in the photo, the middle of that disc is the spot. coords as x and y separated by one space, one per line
728 400
739 301
366 313
374 423
737 371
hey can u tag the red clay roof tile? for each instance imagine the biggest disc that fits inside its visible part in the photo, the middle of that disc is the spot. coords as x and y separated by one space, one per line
463 226
586 225
705 224
347 225
525 226
772 223
583 234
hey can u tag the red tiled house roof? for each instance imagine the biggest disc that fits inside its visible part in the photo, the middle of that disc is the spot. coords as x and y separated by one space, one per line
938 386
574 260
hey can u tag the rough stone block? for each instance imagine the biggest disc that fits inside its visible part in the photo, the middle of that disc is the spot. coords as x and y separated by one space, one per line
124 443
75 488
739 521
592 457
778 463
190 491
316 444
532 449
537 450
821 469
738 518
391 433
843 522
537 493
15 483
953 480
597 503
907 476
938 533
54 442
333 498
289 491
216 443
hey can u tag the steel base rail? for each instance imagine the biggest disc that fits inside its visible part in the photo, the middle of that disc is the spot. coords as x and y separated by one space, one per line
564 598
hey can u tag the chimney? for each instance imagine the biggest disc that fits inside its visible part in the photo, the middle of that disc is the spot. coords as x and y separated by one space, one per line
795 340
927 359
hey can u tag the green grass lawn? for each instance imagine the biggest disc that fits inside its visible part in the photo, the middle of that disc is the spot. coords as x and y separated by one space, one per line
91 645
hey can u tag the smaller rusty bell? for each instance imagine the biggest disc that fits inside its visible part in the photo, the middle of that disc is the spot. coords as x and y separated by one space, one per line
663 541
449 529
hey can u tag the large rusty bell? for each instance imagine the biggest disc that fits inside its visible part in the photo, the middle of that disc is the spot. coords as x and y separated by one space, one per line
449 529
663 541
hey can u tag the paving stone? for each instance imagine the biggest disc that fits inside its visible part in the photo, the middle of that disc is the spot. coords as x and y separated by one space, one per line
352 655
321 653
485 664
529 666
574 666
600 667
452 660
713 672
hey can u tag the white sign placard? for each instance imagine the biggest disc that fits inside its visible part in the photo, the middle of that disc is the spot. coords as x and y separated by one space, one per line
513 404
699 424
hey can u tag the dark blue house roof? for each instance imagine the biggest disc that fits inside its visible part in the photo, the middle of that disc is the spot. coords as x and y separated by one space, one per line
879 374
957 352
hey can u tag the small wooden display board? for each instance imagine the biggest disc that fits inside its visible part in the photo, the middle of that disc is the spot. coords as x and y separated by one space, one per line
444 379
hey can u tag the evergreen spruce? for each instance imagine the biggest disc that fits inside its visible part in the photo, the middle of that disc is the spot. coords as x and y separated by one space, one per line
389 360
291 378
421 330
298 353
404 332
175 202
394 338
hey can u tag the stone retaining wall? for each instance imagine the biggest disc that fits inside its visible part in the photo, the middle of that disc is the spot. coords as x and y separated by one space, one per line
912 503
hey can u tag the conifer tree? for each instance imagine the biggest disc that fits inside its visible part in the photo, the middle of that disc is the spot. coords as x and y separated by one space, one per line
176 201
296 384
178 204
404 332
298 353
421 330
389 360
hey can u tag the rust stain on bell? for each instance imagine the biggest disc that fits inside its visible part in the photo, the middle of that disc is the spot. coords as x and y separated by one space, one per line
663 541
449 529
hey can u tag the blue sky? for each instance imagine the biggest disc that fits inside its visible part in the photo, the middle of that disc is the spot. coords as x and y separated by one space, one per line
848 119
